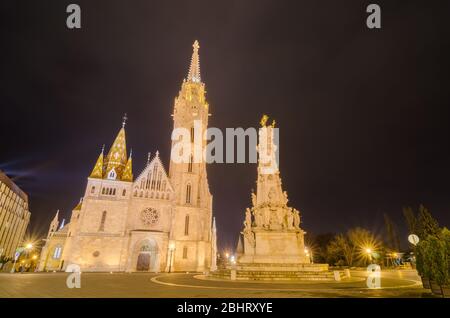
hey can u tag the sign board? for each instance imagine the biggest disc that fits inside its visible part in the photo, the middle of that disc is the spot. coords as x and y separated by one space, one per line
413 239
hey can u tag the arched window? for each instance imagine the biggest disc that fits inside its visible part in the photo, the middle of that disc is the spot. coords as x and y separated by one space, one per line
124 192
57 252
192 134
186 225
114 191
102 222
185 252
191 159
103 191
188 193
112 175
93 189
158 184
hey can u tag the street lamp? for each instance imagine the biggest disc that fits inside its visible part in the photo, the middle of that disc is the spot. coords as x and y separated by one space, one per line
171 250
369 253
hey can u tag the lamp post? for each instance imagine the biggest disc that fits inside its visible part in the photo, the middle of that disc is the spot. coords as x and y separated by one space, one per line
19 251
171 250
369 253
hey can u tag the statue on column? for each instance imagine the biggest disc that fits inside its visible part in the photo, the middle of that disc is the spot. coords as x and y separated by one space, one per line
248 219
285 197
253 198
289 219
257 214
296 218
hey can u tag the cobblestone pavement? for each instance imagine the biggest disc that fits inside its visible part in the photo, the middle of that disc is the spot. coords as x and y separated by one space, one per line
401 283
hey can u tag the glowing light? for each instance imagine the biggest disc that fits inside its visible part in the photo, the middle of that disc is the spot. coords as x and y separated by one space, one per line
172 246
34 257
29 246
368 250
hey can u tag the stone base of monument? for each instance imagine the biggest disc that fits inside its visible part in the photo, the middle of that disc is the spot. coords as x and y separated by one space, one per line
274 272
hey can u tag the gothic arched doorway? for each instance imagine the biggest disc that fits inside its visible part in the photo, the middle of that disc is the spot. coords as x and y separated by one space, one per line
147 257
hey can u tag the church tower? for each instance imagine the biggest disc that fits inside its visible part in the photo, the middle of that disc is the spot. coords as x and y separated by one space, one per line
188 176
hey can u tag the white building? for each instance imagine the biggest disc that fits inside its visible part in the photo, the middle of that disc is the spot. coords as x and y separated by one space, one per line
154 222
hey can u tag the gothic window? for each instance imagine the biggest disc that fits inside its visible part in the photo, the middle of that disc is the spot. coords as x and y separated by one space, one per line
185 252
191 159
188 193
103 191
112 175
186 225
192 134
114 192
102 222
124 192
158 184
93 189
57 252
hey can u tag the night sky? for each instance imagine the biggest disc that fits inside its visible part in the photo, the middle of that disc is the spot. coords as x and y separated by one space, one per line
363 114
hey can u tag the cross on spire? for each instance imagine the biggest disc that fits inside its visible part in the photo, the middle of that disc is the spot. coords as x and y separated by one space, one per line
124 120
194 69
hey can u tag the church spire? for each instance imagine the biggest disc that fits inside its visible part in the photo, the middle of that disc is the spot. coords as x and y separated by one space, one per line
97 172
117 155
194 69
53 225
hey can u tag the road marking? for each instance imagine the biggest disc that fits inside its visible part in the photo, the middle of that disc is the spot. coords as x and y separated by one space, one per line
155 280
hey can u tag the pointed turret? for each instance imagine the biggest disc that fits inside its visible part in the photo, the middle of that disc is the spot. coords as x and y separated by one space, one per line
97 172
213 246
117 156
128 171
194 69
53 225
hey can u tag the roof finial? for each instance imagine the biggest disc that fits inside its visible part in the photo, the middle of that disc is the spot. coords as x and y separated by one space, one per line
124 120
131 152
103 149
148 158
194 69
157 153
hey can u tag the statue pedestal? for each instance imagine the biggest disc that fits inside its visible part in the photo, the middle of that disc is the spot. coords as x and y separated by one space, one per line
274 247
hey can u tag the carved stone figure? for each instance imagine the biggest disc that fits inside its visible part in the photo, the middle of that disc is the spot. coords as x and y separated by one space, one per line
290 219
296 218
253 199
248 219
286 200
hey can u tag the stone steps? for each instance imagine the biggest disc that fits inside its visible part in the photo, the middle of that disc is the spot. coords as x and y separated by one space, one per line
274 275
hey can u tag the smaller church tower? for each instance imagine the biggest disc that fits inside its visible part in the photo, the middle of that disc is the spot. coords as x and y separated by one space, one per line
53 225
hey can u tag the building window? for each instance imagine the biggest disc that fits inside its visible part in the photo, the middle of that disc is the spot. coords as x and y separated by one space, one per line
92 189
102 222
188 193
191 159
57 252
103 191
124 192
112 175
192 134
186 225
185 252
114 192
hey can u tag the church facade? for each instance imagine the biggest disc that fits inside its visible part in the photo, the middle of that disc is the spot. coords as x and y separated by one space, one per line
156 221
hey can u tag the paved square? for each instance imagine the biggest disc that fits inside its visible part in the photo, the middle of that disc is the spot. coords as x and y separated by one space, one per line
401 283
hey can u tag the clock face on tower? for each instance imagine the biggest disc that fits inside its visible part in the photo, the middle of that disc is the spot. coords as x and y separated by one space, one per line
150 216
